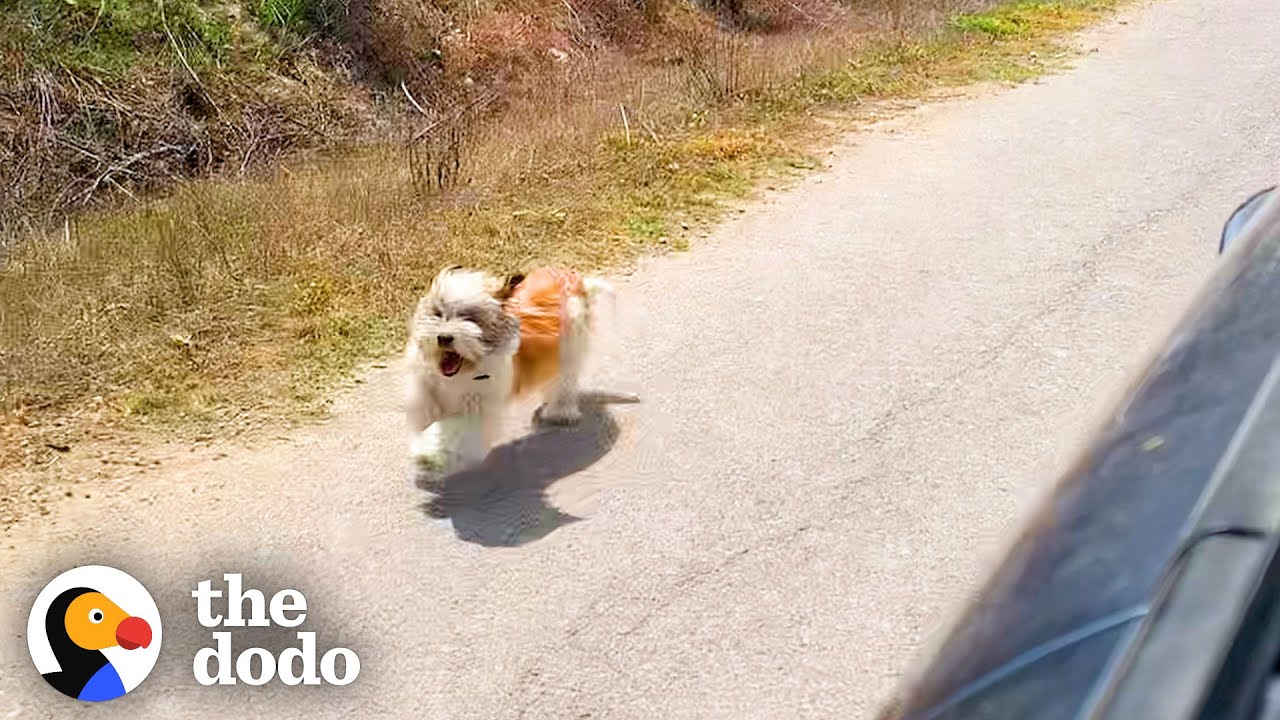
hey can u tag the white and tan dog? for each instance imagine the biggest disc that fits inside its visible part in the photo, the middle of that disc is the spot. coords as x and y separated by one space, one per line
476 343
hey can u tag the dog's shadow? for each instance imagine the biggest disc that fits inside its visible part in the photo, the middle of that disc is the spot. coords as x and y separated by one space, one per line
502 502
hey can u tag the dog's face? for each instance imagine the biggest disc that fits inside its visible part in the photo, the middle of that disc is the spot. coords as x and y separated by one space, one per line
460 321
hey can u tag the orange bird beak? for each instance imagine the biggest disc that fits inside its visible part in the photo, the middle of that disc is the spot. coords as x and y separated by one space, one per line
133 632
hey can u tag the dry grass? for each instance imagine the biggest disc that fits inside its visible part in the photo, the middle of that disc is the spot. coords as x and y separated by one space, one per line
259 296
108 100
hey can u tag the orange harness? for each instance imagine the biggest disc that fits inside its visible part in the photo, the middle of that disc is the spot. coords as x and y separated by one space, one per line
538 301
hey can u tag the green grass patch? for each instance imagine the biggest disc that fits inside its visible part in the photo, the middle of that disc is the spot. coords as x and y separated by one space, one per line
298 16
112 36
993 26
646 227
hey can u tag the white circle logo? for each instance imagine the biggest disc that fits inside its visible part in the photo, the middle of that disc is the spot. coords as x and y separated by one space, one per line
94 633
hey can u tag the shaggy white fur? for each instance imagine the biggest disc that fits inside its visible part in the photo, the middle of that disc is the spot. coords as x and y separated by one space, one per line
461 358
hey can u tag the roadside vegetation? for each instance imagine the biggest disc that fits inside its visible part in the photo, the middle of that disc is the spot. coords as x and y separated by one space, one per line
216 210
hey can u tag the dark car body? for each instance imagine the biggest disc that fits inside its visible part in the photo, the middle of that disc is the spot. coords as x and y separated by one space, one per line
1148 585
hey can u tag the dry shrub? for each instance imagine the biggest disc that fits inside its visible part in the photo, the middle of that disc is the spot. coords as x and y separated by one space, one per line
708 63
502 48
437 152
791 15
913 15
398 40
617 23
69 139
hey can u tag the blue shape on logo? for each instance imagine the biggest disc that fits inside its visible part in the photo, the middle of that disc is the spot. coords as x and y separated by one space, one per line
104 685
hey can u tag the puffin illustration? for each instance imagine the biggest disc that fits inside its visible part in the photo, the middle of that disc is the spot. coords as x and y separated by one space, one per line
80 623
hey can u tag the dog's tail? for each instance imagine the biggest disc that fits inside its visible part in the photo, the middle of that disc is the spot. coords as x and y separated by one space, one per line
580 316
596 290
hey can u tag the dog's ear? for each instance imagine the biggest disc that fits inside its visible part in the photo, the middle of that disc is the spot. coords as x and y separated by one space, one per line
421 311
448 269
509 286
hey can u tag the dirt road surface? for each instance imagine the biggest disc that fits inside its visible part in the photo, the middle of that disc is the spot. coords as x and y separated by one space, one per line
850 393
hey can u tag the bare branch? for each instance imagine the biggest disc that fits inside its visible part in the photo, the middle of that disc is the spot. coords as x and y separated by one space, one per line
124 167
419 108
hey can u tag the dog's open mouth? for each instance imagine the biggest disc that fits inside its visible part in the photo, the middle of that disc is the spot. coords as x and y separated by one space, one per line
450 363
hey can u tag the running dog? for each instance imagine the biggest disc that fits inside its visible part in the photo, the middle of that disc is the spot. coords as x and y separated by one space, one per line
477 343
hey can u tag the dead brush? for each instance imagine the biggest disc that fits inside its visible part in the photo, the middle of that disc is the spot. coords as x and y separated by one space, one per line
179 265
594 24
905 16
711 70
437 152
397 40
435 157
70 141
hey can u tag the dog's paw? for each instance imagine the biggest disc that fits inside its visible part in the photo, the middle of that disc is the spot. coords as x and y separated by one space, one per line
434 508
432 458
437 461
428 479
428 454
446 446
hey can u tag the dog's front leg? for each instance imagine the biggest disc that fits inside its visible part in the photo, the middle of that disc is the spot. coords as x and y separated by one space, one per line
429 441
491 428
421 407
458 441
475 431
447 445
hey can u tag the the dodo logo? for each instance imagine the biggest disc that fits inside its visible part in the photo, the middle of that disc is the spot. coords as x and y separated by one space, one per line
94 633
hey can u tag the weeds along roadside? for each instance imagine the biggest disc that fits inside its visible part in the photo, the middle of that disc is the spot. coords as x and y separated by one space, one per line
229 299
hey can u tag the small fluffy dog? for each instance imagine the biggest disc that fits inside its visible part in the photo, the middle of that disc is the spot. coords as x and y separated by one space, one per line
477 342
